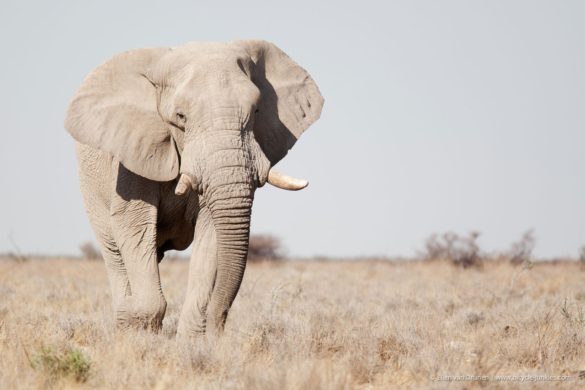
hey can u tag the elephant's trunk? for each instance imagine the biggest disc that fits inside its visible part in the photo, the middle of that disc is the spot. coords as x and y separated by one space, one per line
222 167
232 227
230 198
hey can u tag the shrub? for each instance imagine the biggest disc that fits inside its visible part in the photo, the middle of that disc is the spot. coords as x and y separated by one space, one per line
461 251
16 254
264 247
89 251
521 251
70 363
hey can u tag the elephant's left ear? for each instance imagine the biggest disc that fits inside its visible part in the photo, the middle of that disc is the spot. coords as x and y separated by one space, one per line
115 111
290 99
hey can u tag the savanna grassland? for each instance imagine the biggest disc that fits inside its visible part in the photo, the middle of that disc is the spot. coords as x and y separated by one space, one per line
303 325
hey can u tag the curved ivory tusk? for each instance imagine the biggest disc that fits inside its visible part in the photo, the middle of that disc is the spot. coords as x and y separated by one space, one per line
183 185
285 182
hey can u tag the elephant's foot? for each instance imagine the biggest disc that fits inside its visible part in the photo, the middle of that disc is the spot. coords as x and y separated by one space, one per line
149 315
192 326
197 335
189 335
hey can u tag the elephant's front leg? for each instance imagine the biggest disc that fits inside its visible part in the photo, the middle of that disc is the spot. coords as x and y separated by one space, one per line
145 307
202 270
134 225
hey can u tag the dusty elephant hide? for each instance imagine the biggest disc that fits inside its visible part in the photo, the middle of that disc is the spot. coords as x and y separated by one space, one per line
172 144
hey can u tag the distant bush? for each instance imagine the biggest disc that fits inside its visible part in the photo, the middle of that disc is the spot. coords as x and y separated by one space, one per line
16 253
582 254
264 247
459 250
19 258
521 251
90 251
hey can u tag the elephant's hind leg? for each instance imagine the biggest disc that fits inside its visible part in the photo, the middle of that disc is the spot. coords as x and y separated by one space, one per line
115 268
95 184
119 283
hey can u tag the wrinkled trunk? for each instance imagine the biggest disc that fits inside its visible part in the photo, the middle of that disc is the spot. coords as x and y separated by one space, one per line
220 158
230 205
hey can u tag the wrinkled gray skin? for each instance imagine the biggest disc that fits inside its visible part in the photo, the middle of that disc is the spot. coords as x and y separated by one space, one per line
221 113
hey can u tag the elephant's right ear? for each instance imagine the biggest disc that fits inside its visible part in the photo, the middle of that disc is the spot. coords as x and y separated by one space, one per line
115 110
290 103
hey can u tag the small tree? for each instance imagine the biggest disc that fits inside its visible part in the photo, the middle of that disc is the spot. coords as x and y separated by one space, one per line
89 251
521 251
461 251
264 247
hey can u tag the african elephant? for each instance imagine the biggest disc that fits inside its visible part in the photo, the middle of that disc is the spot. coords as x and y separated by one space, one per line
171 145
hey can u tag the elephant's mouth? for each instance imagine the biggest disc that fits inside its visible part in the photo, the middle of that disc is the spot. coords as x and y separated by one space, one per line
188 182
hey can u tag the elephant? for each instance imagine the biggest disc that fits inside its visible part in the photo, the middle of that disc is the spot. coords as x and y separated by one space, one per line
172 143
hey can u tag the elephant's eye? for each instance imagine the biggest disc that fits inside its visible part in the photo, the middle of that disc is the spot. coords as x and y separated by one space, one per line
257 111
180 120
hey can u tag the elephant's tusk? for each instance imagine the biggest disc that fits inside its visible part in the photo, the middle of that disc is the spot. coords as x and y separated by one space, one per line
285 182
183 185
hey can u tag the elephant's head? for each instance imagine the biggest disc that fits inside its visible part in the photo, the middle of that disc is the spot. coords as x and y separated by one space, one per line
214 117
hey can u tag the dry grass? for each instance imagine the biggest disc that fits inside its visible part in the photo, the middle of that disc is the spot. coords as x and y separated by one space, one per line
302 325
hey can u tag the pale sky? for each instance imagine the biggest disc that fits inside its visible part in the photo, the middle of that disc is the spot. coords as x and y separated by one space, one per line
439 115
